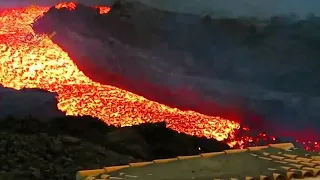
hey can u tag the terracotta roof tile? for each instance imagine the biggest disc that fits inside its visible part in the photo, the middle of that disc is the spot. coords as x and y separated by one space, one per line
316 157
211 154
277 161
165 160
235 151
256 148
188 157
282 145
139 164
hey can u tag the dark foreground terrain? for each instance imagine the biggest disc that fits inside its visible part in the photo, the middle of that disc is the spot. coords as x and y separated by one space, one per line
30 149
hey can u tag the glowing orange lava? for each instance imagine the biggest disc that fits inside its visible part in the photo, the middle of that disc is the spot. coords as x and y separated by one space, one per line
46 66
72 6
68 5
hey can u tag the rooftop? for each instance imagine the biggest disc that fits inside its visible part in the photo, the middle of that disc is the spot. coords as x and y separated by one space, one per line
276 161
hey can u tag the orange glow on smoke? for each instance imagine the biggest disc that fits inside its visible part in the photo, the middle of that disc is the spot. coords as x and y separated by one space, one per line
44 65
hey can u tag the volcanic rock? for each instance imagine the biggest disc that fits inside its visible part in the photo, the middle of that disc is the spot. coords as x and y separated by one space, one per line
127 140
157 141
241 68
28 102
52 151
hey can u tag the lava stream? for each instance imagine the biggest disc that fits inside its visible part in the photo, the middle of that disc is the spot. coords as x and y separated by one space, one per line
46 66
29 64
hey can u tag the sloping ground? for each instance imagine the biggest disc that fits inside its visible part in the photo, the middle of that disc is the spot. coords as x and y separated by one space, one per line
276 161
222 67
41 156
28 102
58 148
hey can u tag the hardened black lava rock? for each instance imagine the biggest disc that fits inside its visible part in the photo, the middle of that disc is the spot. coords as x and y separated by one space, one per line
58 148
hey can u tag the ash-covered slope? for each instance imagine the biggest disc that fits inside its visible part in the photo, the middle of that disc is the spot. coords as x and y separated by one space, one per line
244 66
28 102
58 148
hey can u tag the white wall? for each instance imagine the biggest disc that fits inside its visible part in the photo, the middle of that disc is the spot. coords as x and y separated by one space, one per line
261 8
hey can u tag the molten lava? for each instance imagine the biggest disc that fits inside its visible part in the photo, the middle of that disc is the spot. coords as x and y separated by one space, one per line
30 64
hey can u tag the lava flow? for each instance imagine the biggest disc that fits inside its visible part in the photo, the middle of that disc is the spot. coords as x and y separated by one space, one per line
33 64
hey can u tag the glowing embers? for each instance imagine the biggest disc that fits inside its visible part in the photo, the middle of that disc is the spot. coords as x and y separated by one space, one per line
73 5
103 10
68 5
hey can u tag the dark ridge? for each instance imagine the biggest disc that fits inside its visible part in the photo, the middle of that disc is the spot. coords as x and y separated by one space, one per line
58 148
156 139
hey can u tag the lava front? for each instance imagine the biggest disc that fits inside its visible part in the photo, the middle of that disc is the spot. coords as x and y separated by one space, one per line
33 64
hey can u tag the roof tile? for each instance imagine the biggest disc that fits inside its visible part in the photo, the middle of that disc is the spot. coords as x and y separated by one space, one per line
188 157
284 146
87 173
139 164
292 156
262 177
316 172
316 162
316 158
277 157
115 168
277 161
235 151
257 148
291 160
303 159
165 160
211 154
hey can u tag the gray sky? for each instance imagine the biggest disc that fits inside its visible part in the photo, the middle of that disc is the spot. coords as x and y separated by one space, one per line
260 8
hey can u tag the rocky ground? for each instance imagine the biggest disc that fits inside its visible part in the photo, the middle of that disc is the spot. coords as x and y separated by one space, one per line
26 102
30 149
